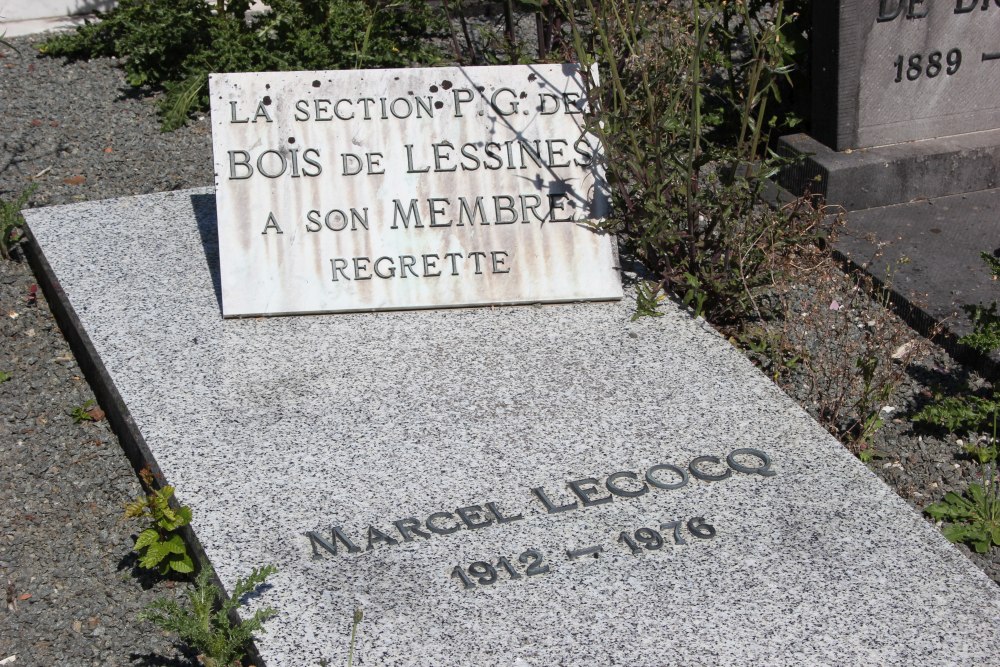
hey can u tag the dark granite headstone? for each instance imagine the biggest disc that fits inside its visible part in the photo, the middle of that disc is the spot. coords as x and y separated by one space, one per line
889 71
905 101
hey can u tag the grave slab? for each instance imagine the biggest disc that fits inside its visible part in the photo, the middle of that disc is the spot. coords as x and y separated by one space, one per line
930 252
462 420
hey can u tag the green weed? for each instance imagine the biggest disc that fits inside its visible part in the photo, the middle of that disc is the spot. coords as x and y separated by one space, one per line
974 517
4 376
985 336
982 453
11 220
358 617
204 623
159 545
874 394
81 413
647 300
968 410
867 453
956 414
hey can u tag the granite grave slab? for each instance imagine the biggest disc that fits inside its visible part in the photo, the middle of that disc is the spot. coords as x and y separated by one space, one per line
931 251
407 188
531 485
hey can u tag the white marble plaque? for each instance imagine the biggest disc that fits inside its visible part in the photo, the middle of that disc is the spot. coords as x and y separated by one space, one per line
411 188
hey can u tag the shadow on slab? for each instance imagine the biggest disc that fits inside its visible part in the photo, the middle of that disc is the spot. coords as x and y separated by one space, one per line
204 213
189 659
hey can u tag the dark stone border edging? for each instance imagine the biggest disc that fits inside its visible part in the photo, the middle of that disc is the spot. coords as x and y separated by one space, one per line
988 366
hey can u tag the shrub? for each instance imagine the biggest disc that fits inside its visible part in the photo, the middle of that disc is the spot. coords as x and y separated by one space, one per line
205 624
174 44
684 111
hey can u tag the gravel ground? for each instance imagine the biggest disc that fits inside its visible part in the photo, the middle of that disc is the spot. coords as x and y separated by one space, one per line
79 133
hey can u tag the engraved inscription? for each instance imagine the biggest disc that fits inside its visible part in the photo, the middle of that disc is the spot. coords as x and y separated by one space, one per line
638 542
337 191
588 491
579 494
915 66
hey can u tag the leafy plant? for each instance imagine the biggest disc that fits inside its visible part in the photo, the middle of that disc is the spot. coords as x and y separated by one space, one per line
159 545
204 623
4 376
982 453
81 413
874 393
11 219
174 44
867 453
985 335
694 297
974 516
964 412
768 350
647 300
358 617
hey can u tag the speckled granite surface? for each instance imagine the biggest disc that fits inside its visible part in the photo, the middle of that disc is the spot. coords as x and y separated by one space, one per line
271 428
